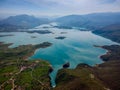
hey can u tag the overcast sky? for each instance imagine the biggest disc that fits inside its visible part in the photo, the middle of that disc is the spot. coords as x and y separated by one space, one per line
57 7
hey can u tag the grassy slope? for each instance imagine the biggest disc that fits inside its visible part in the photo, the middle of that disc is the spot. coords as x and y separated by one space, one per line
18 73
78 79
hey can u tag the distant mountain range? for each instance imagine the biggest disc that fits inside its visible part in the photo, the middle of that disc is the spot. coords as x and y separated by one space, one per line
90 21
21 22
104 24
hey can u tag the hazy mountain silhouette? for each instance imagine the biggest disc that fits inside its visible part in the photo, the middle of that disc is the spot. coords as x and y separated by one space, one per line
91 21
23 21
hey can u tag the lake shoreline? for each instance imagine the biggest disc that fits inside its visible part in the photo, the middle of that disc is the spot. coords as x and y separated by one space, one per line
99 71
68 39
18 71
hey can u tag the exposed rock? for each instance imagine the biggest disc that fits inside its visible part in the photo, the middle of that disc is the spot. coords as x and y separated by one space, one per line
66 65
104 76
50 70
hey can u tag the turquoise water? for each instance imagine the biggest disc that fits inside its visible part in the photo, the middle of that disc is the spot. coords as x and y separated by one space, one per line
76 48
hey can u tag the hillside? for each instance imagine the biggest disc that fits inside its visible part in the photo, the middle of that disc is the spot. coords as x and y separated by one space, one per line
80 78
103 24
18 73
111 32
72 21
90 21
104 76
21 22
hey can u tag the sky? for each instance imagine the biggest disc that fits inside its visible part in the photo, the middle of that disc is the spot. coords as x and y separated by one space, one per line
57 7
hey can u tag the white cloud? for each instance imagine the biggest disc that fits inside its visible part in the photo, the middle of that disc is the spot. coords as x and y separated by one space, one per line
59 7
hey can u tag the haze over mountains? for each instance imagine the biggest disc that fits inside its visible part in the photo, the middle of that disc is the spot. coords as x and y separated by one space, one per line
91 21
111 31
104 24
59 44
22 21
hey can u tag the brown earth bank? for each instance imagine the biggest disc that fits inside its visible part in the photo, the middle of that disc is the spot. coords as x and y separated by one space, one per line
104 76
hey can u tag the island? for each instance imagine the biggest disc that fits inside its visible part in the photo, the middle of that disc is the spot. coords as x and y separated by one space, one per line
63 33
45 27
60 37
33 37
6 35
63 27
19 73
39 31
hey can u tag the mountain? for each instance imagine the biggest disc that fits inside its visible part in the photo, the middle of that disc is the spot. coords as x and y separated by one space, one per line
99 20
111 31
104 24
23 21
90 21
72 20
9 28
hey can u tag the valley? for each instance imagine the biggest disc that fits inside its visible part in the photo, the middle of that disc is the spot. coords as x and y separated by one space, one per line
32 56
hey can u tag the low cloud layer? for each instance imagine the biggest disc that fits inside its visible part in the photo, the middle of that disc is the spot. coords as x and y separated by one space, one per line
58 7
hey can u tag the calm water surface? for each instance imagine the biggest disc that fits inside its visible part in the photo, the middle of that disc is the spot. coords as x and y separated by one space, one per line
76 48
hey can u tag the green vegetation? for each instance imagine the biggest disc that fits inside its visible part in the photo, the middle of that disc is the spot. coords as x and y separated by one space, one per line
16 72
22 51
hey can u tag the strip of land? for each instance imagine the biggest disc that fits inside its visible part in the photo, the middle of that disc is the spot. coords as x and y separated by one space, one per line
6 35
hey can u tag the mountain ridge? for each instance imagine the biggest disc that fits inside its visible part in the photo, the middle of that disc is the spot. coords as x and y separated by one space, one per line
90 21
23 21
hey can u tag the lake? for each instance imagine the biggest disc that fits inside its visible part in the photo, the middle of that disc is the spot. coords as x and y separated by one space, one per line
76 48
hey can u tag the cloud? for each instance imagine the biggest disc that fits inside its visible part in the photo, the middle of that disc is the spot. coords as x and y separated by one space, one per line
107 1
58 7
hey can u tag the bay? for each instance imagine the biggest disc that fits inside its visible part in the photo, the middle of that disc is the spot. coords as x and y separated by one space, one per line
76 48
